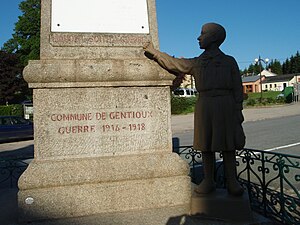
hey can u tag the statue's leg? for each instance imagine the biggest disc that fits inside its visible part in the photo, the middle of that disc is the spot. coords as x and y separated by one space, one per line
233 186
208 183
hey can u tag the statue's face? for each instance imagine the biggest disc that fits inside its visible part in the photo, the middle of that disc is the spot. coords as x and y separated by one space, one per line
205 38
209 35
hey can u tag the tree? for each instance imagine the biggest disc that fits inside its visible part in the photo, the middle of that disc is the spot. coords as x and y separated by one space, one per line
292 65
12 82
295 63
275 67
253 69
286 67
26 39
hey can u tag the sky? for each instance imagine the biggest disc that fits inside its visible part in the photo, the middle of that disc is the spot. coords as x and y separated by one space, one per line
269 28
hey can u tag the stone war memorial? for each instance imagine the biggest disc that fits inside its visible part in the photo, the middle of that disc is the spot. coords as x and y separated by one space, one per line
102 122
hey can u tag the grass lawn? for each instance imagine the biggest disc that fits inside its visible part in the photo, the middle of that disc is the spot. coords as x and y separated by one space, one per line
268 98
267 94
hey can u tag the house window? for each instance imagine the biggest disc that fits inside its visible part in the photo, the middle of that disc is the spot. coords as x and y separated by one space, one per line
266 86
275 85
270 85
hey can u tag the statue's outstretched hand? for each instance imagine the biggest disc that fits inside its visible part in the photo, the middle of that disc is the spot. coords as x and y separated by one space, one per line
149 50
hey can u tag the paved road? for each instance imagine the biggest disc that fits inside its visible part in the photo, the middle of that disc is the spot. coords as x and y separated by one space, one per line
272 133
182 123
265 128
21 149
264 135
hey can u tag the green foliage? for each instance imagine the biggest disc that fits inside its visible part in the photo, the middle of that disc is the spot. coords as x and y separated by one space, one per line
275 67
12 82
26 39
23 46
180 105
250 102
13 110
269 98
252 69
290 66
267 94
280 100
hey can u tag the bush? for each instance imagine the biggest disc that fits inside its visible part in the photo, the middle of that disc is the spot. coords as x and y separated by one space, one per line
268 101
269 98
180 105
11 110
250 102
280 100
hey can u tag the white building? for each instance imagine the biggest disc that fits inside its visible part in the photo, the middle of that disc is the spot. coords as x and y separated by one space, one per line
268 73
278 83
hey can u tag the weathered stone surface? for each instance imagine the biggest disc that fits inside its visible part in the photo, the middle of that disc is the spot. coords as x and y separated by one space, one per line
86 122
105 184
94 45
92 40
102 127
93 73
89 199
157 216
93 170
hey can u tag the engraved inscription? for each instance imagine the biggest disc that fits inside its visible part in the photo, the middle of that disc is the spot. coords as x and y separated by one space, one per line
104 122
101 40
74 122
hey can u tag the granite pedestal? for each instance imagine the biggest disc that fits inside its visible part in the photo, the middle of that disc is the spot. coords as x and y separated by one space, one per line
102 123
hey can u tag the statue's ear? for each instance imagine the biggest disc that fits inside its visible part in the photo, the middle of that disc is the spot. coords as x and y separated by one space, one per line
214 37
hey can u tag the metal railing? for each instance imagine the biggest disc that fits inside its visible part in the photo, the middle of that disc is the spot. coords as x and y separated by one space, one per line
271 179
10 171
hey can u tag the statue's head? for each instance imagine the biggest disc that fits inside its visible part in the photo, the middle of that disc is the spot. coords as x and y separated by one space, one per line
211 33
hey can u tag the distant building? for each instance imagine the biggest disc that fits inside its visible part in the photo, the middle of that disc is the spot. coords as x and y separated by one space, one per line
251 84
268 73
188 82
278 83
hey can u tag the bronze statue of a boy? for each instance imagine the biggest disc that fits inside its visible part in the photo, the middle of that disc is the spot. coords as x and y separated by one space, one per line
218 111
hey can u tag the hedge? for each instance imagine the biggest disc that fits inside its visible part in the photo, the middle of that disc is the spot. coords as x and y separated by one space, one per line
181 105
11 110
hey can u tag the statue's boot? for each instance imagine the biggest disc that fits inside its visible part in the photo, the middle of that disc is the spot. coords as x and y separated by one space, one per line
208 184
233 186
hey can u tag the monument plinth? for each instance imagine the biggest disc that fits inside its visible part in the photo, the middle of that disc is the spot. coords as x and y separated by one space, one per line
101 116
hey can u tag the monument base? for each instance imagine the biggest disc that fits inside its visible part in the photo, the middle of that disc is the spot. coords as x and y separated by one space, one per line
90 186
158 216
222 206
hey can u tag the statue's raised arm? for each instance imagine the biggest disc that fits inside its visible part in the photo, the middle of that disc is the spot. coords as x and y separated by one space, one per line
169 63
